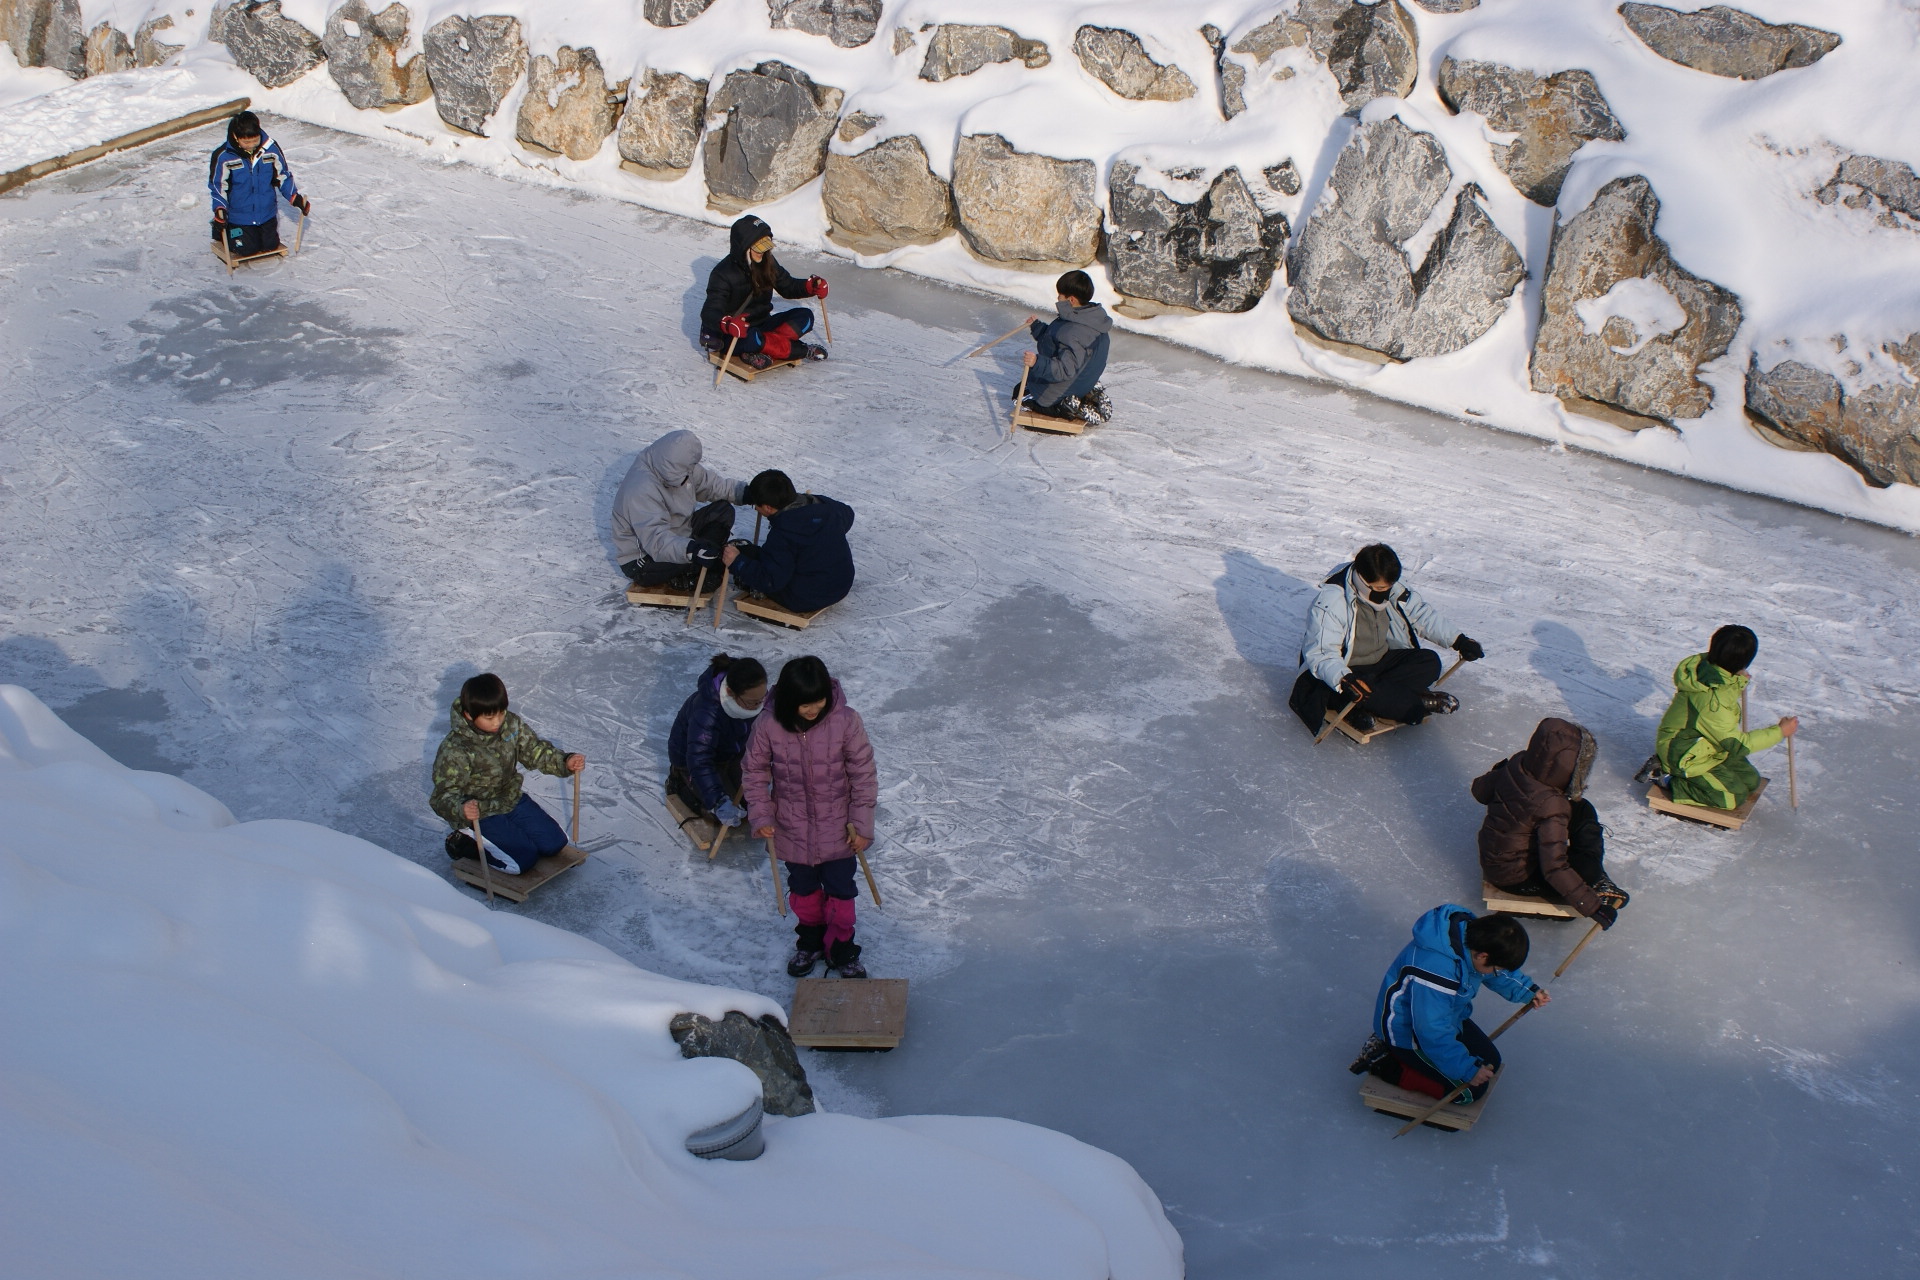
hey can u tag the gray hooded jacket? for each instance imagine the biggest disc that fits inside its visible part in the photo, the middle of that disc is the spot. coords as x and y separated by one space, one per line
653 512
1066 347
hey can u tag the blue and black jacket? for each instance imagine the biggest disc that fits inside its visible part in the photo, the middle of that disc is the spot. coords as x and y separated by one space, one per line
805 563
1428 994
244 185
704 737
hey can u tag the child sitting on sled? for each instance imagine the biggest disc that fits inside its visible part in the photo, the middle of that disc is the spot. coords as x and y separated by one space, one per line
245 174
805 564
476 779
1699 743
1070 355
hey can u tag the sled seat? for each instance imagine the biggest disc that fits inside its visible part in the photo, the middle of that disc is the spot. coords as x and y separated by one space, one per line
849 1013
1661 800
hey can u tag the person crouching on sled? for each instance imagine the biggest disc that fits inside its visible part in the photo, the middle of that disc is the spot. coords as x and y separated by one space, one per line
739 308
1070 355
805 563
1424 1037
244 175
476 779
1699 750
811 790
1542 837
709 737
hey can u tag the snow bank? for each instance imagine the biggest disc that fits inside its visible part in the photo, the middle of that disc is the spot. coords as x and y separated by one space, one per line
269 1049
76 116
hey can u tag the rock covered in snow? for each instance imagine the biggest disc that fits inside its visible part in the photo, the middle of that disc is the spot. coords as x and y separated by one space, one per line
848 23
1554 117
674 13
885 197
268 45
1354 281
108 50
759 1043
1447 6
472 63
363 56
960 49
1888 188
1118 60
46 33
566 109
149 50
1724 41
1870 420
1213 253
1623 326
1283 177
1029 211
773 138
1372 50
1232 76
660 129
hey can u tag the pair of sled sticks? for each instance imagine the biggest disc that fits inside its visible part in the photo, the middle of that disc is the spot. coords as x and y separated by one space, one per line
1341 719
479 846
1465 1091
773 866
997 341
719 597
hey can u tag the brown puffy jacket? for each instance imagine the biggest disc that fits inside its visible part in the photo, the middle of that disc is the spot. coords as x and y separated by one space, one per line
1529 798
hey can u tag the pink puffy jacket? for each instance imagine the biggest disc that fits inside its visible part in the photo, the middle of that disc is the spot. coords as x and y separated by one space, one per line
809 786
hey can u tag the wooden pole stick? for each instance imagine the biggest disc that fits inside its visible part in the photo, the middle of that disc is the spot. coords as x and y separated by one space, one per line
825 323
1334 723
1461 1094
725 361
693 601
480 847
714 848
1013 419
301 234
872 888
720 597
773 865
1449 671
576 810
997 341
1582 946
1793 780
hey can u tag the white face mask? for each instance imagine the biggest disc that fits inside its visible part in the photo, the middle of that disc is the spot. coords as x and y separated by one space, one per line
732 708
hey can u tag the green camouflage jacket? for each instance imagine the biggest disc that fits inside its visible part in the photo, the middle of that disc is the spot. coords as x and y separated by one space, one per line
472 765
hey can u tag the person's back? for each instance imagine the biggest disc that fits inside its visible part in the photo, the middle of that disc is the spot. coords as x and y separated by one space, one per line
1541 836
1699 742
660 529
806 562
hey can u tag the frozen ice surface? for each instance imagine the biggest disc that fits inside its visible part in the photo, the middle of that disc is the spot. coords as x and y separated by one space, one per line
260 529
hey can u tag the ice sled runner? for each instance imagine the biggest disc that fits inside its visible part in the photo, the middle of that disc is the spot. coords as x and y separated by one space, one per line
1363 736
667 596
762 607
746 372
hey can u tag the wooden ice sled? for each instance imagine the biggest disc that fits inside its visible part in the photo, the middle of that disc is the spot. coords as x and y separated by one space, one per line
849 1013
761 607
517 888
1391 1099
1514 904
1380 725
1662 801
746 372
667 596
1032 421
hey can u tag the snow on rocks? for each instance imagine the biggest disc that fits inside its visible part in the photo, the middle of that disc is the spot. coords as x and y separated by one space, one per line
1354 281
1120 61
1214 250
761 1044
959 49
1725 41
1552 116
848 23
767 135
1372 50
149 50
567 109
674 13
660 129
472 63
1034 212
272 47
1624 329
1889 189
1861 407
885 197
108 50
46 33
364 51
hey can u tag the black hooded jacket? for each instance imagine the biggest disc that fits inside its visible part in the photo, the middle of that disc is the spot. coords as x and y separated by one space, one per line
730 287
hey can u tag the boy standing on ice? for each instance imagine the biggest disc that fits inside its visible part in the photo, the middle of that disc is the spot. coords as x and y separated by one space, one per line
1424 1037
805 563
661 533
1071 355
1541 836
1699 742
246 173
476 779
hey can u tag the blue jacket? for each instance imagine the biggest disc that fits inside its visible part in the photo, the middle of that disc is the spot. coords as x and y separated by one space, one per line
1330 624
703 737
1428 993
805 563
244 185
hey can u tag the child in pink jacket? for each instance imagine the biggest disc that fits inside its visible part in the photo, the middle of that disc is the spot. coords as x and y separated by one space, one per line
810 790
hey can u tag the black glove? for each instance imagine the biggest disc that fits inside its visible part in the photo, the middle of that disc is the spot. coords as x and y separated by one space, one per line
220 216
701 552
1469 648
304 205
1605 916
1356 688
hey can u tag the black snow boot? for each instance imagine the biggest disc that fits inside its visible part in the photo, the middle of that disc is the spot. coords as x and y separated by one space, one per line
1651 772
810 941
846 959
1438 703
809 351
1372 1053
460 845
1097 402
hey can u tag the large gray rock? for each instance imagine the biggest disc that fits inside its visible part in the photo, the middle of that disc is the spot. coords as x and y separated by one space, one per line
1890 189
1623 327
660 129
1354 282
761 1044
566 109
674 13
108 50
1447 6
363 57
1118 60
472 63
1215 253
960 49
46 33
848 23
268 45
1723 41
1232 76
149 50
886 197
1554 117
1372 50
773 137
1871 424
1029 211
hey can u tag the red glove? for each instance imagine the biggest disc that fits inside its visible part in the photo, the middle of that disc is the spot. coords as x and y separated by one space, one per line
816 287
734 326
220 216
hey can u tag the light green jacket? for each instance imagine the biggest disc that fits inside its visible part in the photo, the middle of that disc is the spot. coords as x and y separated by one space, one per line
1701 730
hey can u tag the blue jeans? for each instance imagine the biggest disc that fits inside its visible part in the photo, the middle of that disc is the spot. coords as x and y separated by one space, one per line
526 835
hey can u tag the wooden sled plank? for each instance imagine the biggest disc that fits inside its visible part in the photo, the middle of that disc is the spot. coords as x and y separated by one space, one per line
1380 725
668 597
517 888
1499 899
1661 800
697 827
139 137
1391 1099
744 371
761 607
849 1013
1041 422
233 264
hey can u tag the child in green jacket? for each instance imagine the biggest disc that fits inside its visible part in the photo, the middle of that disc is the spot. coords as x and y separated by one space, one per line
1699 741
476 780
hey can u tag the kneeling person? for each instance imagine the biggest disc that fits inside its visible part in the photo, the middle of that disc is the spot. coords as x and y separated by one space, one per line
1541 836
1699 742
1070 355
805 564
662 536
244 175
709 737
476 779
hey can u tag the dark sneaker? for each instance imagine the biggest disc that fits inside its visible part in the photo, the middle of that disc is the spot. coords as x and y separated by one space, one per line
851 968
755 359
460 845
1438 703
1096 401
809 351
1360 721
1650 771
1610 893
801 963
1370 1055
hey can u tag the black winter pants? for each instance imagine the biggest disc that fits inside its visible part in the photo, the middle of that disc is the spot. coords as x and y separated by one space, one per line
1397 681
711 523
1472 1038
244 242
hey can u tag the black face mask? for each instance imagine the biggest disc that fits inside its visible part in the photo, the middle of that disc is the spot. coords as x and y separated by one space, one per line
1379 597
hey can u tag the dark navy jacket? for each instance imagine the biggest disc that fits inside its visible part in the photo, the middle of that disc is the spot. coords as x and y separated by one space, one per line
703 737
244 185
805 563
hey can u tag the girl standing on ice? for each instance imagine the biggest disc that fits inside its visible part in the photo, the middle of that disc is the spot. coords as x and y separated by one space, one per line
811 791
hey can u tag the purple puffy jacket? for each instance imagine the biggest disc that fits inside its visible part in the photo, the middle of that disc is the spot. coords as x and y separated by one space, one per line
809 786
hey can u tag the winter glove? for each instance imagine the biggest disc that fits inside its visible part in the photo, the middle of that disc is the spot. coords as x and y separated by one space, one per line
816 287
702 553
1355 686
1469 648
730 814
304 205
220 216
1604 916
734 326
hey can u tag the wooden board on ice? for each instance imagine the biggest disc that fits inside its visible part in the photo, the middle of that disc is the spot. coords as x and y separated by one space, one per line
849 1013
517 888
1662 801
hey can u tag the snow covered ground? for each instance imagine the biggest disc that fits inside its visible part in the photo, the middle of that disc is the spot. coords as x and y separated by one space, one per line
259 530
